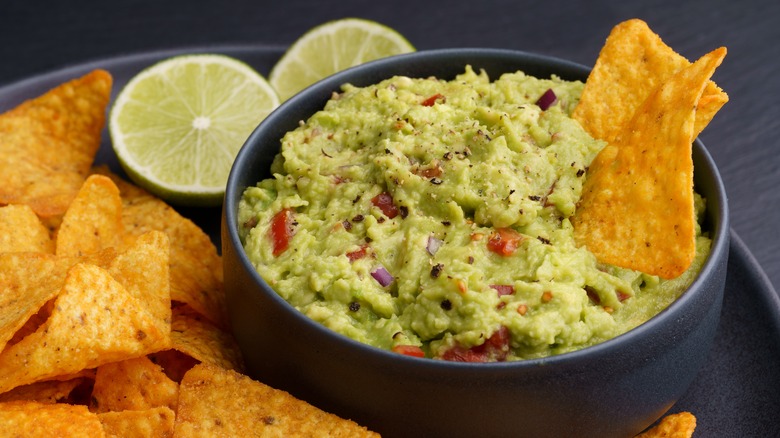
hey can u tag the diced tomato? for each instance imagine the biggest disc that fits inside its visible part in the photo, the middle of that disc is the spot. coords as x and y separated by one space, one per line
431 100
496 348
281 230
504 241
409 350
503 289
358 253
460 354
385 203
621 296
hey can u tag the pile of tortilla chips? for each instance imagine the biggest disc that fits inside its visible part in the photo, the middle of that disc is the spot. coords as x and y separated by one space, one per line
649 104
112 314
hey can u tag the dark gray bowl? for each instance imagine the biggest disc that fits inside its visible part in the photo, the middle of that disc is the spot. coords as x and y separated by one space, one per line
616 388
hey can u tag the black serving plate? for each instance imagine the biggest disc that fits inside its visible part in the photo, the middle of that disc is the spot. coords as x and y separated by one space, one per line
735 393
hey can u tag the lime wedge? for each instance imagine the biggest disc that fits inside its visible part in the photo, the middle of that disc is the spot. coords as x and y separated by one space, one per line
177 126
332 47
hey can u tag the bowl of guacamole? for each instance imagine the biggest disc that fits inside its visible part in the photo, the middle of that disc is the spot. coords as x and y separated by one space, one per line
398 249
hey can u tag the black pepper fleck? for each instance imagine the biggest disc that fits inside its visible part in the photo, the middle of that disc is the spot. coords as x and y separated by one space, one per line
436 270
358 218
404 210
354 306
446 304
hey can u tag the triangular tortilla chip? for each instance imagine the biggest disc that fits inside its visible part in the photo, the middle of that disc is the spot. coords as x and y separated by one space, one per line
93 221
195 265
48 144
679 425
203 341
143 271
155 422
97 318
21 230
633 62
32 420
637 208
48 391
29 281
214 401
133 384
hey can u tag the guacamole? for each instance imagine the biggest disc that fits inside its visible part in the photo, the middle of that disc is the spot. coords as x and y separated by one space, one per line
431 218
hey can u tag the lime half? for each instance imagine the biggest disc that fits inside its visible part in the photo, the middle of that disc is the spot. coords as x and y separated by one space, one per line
332 47
177 126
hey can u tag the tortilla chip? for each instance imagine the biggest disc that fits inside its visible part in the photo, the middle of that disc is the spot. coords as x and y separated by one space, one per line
633 62
49 391
93 221
28 282
94 321
637 207
680 425
195 265
150 423
133 384
203 341
21 230
32 419
214 401
143 271
48 144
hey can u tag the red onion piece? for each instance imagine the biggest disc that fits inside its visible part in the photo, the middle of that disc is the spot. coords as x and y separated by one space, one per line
382 277
433 245
547 99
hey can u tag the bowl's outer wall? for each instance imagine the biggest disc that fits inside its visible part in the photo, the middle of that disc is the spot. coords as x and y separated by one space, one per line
614 389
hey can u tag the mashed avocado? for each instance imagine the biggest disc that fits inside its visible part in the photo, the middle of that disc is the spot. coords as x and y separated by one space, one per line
432 217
